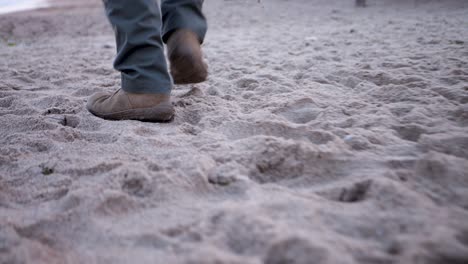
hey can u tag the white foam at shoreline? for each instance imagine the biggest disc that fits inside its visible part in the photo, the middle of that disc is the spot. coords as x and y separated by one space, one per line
15 6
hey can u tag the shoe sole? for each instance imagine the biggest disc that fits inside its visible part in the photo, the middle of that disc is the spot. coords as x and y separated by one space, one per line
163 112
189 80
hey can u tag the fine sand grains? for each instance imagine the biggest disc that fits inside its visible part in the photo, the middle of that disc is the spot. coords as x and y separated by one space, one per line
325 134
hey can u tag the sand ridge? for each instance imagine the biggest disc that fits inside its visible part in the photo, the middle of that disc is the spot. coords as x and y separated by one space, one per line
325 134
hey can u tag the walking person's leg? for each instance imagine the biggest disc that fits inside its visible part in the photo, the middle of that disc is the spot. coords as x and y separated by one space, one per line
146 83
184 29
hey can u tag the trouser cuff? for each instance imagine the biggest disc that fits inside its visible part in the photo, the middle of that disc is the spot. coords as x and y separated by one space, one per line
142 86
185 18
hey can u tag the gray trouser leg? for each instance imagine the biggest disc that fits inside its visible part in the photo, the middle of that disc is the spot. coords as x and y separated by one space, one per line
186 14
140 51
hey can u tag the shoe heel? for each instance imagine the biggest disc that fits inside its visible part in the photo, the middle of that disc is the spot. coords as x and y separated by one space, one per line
163 112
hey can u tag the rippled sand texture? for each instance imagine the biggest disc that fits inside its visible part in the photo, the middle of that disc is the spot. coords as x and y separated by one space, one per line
326 134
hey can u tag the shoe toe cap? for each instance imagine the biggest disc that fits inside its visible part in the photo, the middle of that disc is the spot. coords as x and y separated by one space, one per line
95 100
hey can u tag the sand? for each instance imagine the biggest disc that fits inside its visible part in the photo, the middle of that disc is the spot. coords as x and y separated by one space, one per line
325 134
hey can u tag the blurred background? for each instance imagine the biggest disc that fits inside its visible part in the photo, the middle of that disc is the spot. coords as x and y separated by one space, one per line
7 6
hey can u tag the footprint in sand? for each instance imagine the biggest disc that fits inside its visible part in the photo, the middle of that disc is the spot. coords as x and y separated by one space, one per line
239 129
462 237
275 160
300 112
116 203
296 250
460 115
453 144
355 192
136 184
409 132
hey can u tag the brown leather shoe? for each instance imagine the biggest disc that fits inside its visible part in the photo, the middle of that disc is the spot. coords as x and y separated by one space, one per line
129 106
186 58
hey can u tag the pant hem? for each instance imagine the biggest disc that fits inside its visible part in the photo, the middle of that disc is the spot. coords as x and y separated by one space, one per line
146 86
185 18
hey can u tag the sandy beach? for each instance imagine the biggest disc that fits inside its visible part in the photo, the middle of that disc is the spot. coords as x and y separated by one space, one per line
325 134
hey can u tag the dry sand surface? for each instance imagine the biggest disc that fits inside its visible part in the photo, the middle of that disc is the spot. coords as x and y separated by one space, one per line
325 134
